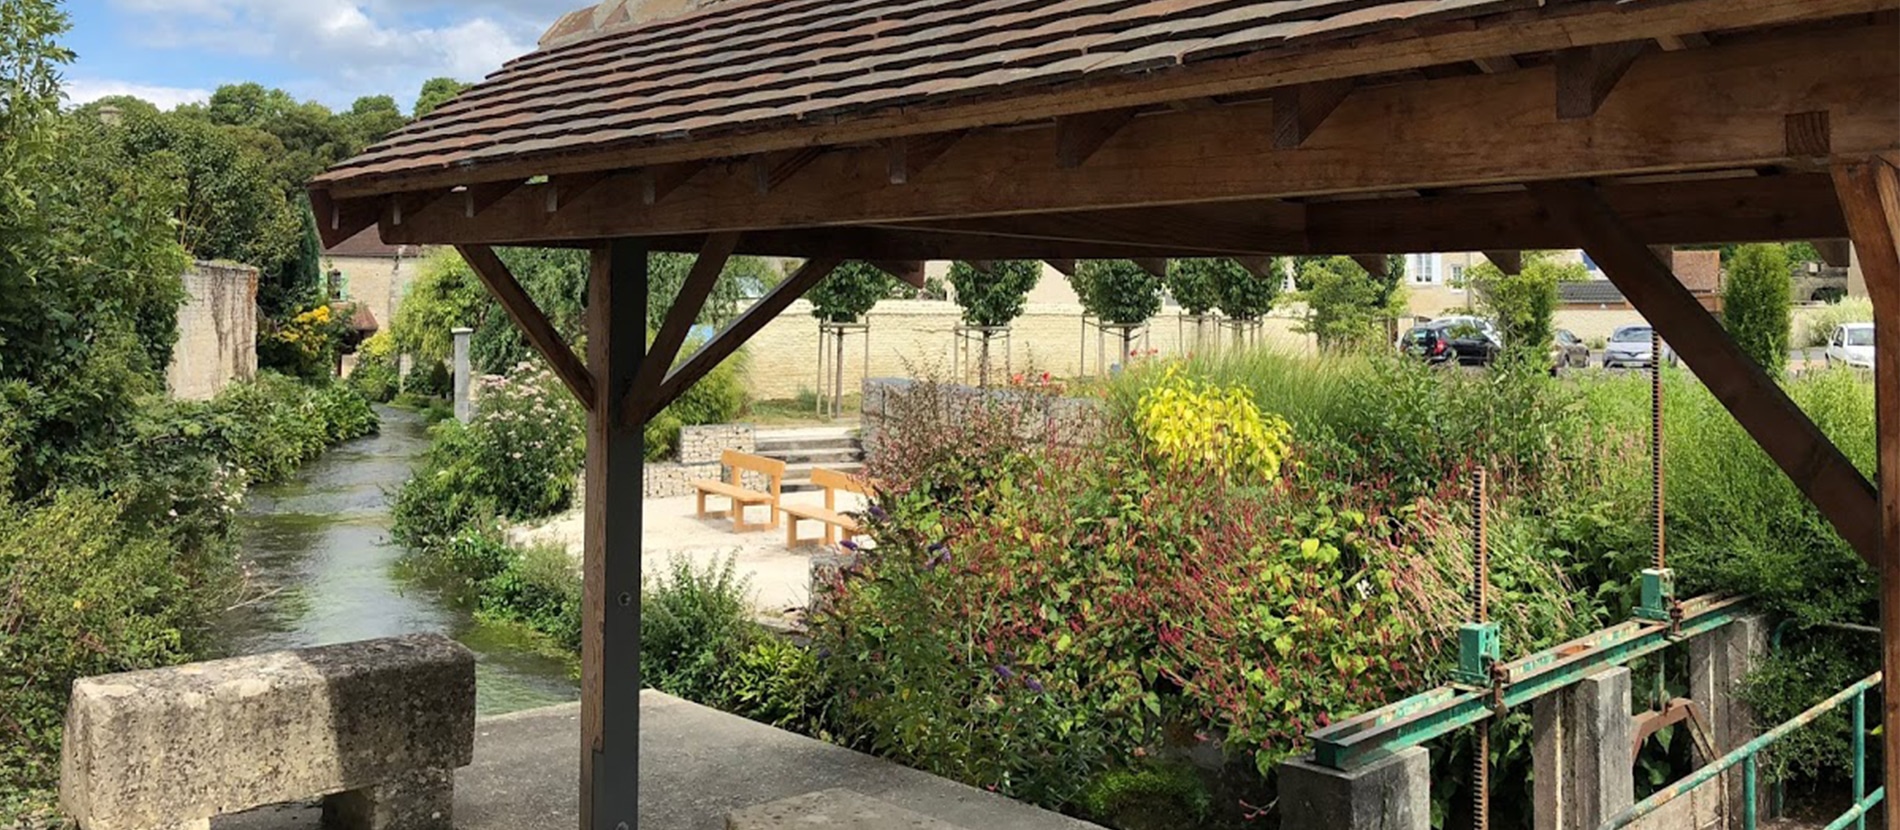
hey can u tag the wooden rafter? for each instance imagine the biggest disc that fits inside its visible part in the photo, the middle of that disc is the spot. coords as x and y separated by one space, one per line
769 170
405 205
1586 74
562 191
735 335
997 172
909 272
1260 267
912 154
541 334
1374 264
1155 266
1677 43
1299 110
480 197
1079 137
1835 253
1510 262
699 284
656 183
1493 66
337 221
1789 436
1065 267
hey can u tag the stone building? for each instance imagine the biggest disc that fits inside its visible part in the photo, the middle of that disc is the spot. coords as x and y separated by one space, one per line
373 275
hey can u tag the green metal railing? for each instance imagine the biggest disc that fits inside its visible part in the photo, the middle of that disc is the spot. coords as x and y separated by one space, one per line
1745 757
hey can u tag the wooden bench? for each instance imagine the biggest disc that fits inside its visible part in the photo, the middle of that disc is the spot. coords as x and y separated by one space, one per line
828 515
733 489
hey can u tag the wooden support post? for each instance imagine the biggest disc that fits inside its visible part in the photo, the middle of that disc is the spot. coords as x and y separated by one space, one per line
1156 266
1373 263
908 272
1065 266
1790 437
521 308
741 330
679 322
1870 197
1835 253
610 603
1510 262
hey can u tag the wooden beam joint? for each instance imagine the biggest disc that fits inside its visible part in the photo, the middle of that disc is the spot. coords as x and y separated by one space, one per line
1587 74
1510 262
1299 110
908 156
1078 137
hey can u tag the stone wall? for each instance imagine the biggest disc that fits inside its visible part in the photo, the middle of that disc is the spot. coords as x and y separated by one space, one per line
700 450
1042 416
217 331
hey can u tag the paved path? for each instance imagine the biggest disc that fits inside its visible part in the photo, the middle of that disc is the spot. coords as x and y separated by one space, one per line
696 766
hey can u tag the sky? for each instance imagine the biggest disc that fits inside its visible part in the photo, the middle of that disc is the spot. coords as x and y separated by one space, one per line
333 51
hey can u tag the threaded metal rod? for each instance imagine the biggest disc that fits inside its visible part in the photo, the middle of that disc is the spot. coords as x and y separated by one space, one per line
1656 442
1481 780
1480 532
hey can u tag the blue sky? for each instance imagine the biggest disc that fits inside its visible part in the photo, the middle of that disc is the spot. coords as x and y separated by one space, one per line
333 51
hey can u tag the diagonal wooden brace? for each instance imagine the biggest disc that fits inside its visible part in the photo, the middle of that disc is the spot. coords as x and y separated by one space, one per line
679 323
521 308
727 342
1819 468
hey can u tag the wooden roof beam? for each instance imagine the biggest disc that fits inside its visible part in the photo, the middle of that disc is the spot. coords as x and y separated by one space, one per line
1066 267
562 191
1155 266
680 318
1510 262
910 155
1299 110
480 197
773 169
1835 253
340 219
1677 43
908 272
405 205
1374 264
1763 408
1586 74
656 183
1500 64
1079 137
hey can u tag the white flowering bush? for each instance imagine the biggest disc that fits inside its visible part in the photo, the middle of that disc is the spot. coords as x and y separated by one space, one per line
516 459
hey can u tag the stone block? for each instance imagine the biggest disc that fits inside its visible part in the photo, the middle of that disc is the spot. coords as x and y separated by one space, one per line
1580 752
1390 794
832 810
1718 663
379 725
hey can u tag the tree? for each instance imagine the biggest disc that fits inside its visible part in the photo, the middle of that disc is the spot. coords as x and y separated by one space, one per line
1525 304
849 293
1344 302
994 298
370 119
744 277
1757 303
1196 283
1245 295
1118 292
436 92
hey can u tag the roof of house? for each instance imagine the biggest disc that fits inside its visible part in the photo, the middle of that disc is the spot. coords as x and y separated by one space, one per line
1589 292
1699 271
605 78
368 244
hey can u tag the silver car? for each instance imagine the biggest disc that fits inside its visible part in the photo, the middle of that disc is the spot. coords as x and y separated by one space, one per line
1630 347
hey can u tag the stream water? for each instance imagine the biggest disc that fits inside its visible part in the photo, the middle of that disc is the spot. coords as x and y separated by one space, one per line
320 549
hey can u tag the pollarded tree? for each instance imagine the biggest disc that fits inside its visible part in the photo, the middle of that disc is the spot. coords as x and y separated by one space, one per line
1245 295
994 298
849 293
1118 292
1196 283
1757 303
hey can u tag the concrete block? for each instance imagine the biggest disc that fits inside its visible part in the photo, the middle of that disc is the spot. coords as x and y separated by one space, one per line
464 375
1580 753
1390 794
832 810
384 721
1718 663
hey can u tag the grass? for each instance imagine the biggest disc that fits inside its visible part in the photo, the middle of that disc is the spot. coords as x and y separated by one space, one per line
800 411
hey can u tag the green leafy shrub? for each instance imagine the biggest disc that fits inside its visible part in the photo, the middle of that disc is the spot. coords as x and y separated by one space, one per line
849 292
1197 284
1150 797
994 299
1525 303
1344 302
1756 302
698 641
717 398
306 346
539 587
1245 295
1117 291
376 377
516 459
429 379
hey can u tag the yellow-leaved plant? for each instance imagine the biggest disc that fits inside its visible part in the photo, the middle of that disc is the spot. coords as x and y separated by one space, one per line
1194 425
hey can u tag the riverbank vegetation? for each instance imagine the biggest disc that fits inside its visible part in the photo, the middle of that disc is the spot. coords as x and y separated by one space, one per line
116 503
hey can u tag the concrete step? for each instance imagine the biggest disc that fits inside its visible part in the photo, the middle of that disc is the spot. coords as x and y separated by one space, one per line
823 457
798 476
774 446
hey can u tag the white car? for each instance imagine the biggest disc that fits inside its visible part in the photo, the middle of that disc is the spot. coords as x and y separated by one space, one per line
1852 345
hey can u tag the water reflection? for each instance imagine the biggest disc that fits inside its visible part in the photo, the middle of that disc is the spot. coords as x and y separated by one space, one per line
320 549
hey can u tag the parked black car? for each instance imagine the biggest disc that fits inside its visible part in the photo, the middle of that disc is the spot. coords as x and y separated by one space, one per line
1467 341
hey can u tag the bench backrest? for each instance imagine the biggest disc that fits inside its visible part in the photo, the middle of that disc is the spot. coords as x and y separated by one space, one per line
737 463
834 480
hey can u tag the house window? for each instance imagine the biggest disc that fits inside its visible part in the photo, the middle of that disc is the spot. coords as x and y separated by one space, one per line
1458 277
1425 269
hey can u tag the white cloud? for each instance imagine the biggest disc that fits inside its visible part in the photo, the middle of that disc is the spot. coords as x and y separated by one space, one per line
87 90
337 50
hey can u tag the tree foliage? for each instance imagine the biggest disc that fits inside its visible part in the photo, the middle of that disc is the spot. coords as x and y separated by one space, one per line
1344 302
1117 291
436 92
994 299
1525 304
1197 284
744 277
1757 302
1248 296
849 292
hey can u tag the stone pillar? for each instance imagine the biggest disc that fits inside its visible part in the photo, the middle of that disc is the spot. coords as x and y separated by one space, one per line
464 407
1580 753
1390 794
1718 661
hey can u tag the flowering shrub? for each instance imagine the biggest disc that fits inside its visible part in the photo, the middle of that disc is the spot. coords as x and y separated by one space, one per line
1192 424
517 458
307 345
376 376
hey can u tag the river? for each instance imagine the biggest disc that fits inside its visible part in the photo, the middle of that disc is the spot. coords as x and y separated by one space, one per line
328 572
